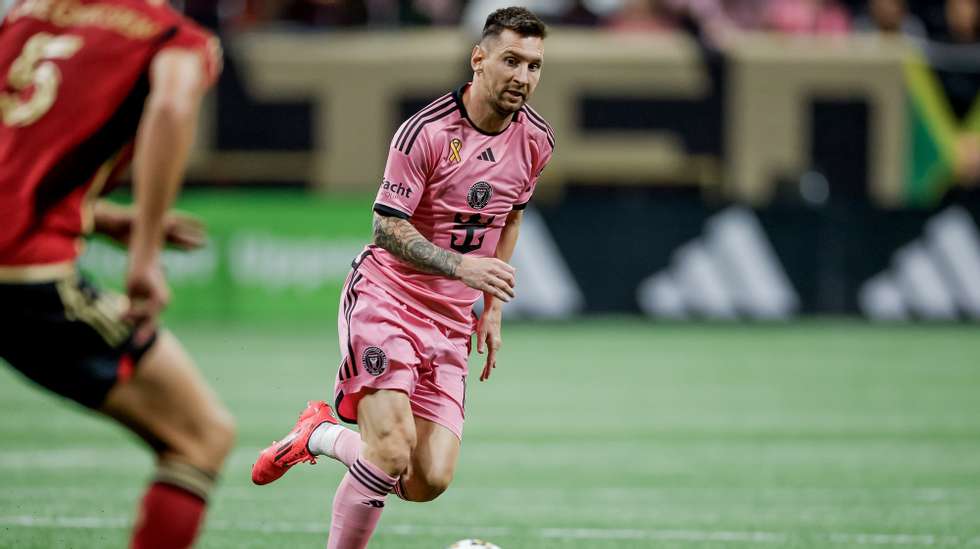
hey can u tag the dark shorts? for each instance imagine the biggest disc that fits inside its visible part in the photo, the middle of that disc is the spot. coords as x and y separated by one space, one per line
68 337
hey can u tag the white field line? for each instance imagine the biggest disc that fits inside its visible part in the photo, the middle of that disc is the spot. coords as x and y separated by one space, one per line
607 534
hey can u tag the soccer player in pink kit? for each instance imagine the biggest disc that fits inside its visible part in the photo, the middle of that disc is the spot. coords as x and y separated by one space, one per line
446 219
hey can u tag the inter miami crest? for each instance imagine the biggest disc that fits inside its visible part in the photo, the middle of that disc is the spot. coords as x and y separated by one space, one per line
374 360
479 195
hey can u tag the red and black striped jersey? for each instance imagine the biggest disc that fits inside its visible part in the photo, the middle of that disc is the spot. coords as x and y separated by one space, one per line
73 81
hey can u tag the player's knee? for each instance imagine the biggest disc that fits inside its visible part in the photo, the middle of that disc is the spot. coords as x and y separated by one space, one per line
392 447
221 433
211 437
435 483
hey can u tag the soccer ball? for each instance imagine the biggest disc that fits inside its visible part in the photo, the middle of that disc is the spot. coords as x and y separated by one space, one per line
473 544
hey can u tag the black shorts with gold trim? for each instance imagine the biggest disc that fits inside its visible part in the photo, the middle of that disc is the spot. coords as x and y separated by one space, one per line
68 336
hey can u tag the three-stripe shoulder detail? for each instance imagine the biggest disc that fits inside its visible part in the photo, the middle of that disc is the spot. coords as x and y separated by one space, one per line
538 121
410 130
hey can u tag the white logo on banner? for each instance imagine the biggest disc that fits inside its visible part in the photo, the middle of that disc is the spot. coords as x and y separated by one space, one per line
280 262
932 278
730 272
108 262
545 285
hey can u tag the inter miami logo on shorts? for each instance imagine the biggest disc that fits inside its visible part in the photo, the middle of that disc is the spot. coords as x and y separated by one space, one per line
374 360
479 195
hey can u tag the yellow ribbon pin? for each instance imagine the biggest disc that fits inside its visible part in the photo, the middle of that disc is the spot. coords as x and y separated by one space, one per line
454 146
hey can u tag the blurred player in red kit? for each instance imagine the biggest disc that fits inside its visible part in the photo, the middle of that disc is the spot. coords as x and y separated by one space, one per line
86 86
446 218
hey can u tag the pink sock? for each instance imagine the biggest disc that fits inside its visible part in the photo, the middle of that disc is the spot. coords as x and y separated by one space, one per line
346 449
347 446
357 505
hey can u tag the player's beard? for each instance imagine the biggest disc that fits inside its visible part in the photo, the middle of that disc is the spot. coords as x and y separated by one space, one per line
505 106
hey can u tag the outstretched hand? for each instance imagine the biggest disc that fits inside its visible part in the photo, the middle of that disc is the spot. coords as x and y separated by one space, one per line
489 275
488 337
180 230
184 231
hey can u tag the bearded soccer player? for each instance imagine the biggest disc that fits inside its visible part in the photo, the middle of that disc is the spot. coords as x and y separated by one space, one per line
459 175
85 86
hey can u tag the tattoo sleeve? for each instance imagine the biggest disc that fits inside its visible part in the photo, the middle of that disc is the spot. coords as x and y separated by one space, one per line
399 237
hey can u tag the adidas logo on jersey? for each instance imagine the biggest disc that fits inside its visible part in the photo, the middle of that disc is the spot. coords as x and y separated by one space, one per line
487 155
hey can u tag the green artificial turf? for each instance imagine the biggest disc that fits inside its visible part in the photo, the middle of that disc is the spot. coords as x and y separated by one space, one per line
589 435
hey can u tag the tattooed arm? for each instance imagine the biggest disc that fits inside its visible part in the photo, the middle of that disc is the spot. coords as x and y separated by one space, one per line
401 238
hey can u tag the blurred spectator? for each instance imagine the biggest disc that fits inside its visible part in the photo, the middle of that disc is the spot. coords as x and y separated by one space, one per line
337 13
807 17
735 14
955 56
957 63
203 12
326 13
428 12
642 16
579 14
890 17
962 21
966 170
475 12
719 20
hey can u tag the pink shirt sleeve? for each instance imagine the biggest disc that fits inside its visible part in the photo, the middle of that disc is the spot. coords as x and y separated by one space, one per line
404 178
537 166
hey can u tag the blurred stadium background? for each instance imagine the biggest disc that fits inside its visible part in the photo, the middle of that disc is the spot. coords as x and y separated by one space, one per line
748 295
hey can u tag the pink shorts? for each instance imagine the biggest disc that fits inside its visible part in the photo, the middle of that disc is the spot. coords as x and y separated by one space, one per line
385 344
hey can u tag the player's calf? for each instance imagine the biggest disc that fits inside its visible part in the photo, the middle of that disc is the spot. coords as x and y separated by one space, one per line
168 404
210 438
420 485
387 430
390 449
388 435
433 463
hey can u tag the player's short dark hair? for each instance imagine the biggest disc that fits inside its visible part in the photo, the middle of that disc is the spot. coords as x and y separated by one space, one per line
519 20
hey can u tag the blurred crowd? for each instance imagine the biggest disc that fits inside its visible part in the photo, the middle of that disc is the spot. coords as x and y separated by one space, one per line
948 21
948 31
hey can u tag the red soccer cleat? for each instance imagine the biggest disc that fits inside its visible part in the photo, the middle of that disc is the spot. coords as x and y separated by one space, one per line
275 460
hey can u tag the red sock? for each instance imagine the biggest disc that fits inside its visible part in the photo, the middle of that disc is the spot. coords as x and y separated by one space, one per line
169 518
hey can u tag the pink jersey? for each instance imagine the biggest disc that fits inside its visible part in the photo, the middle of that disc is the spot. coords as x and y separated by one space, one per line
456 184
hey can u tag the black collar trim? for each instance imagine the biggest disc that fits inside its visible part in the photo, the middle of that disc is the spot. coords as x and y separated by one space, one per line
458 97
